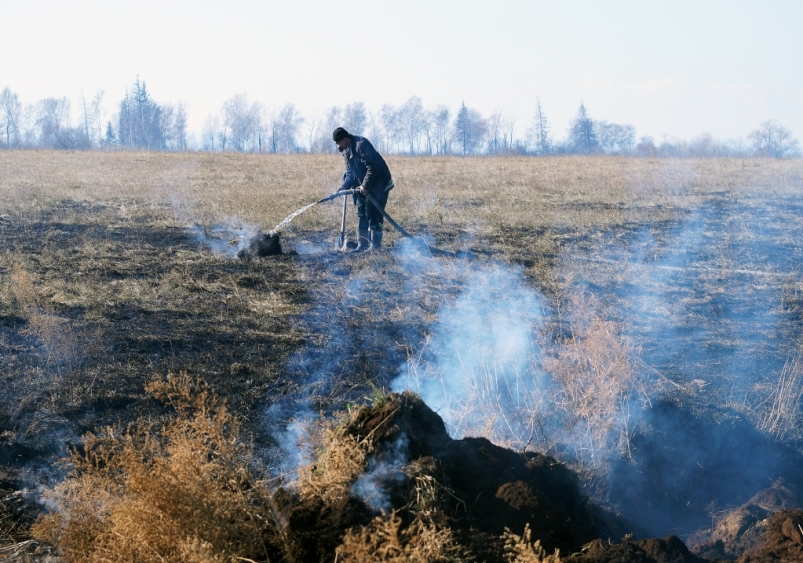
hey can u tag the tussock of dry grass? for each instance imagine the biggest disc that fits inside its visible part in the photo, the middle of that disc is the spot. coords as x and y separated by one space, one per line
180 491
385 540
340 459
600 388
521 549
778 412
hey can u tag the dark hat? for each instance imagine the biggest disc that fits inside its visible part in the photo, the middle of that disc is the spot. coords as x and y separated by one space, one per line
339 134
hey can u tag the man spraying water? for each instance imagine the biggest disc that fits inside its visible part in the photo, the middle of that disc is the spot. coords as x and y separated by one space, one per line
366 171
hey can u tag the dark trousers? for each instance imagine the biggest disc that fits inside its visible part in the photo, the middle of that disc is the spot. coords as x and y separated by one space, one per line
368 215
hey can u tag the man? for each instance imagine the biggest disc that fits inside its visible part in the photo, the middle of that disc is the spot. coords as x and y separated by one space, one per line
366 170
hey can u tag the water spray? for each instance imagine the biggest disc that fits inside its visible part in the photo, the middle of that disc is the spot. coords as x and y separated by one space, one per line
342 193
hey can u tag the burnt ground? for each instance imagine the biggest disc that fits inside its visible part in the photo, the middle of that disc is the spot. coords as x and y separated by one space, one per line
98 301
713 302
712 298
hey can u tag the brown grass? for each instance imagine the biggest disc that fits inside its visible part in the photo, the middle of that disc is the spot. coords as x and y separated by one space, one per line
182 489
385 540
778 413
521 549
340 458
461 194
177 491
101 284
599 387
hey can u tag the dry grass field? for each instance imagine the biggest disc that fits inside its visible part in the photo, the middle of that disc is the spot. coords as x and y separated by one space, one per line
661 303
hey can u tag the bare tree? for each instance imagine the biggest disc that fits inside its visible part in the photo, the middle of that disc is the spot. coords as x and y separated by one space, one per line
495 142
508 130
614 138
646 147
167 118
391 124
312 131
53 121
284 126
244 121
86 119
354 118
210 131
540 140
10 116
429 131
412 123
774 140
179 131
440 118
98 116
332 118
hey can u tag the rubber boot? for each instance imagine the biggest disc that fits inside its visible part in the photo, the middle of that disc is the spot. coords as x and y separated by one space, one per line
363 241
376 240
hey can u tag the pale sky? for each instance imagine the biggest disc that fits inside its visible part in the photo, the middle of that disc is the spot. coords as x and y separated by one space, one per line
677 68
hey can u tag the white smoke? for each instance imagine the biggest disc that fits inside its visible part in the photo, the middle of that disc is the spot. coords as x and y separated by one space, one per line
383 471
480 371
228 237
294 444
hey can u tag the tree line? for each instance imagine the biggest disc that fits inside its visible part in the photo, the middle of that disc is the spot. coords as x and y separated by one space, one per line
410 128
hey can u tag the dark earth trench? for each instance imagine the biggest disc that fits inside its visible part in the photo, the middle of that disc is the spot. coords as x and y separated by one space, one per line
714 301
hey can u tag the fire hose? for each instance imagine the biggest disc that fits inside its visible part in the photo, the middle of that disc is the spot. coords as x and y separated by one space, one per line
373 201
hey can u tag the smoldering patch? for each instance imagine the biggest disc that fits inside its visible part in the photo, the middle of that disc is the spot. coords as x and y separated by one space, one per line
228 237
261 245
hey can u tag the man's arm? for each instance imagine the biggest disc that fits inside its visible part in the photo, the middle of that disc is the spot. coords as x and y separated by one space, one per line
349 181
372 162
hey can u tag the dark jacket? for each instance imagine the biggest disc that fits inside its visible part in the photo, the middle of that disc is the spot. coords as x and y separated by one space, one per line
365 167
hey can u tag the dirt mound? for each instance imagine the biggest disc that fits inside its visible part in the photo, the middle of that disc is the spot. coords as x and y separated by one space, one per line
746 529
783 539
261 245
668 550
471 487
318 527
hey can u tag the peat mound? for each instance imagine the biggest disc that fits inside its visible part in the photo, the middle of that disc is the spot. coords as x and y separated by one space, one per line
261 245
668 550
756 528
783 539
471 487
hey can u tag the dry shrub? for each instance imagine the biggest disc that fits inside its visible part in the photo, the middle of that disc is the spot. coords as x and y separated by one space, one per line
385 540
340 458
176 491
778 413
55 335
10 529
599 386
22 291
520 549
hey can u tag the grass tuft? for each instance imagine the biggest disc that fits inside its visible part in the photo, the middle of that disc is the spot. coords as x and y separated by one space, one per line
176 490
521 549
386 540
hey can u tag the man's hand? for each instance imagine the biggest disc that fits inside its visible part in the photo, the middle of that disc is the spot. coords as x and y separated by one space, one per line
362 191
